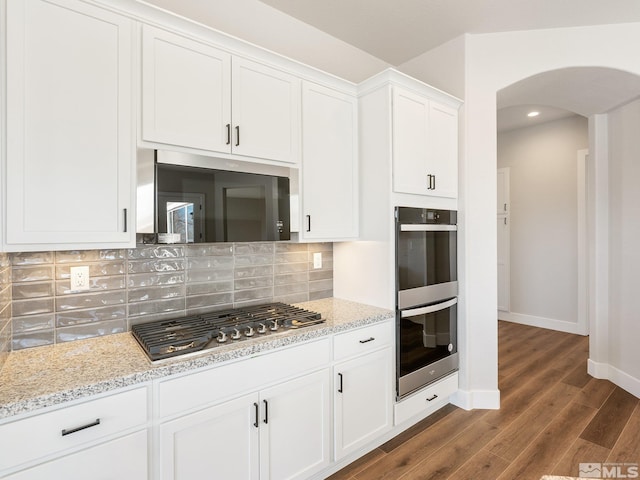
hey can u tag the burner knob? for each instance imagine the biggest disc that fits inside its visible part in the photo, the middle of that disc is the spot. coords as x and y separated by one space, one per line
236 334
249 331
262 328
274 325
222 337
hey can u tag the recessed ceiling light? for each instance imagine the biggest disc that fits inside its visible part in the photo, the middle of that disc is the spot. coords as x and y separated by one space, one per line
533 114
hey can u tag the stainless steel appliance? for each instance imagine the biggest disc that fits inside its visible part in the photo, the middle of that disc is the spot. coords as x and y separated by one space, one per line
184 198
192 334
426 296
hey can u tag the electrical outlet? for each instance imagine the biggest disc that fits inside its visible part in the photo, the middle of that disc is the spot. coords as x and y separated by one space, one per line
317 260
79 279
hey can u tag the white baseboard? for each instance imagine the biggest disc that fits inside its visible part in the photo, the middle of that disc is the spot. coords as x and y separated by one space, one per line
542 322
614 375
481 399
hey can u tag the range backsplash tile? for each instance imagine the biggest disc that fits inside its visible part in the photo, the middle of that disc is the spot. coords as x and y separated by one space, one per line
150 282
5 307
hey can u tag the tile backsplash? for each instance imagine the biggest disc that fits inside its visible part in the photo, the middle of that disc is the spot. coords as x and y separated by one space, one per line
148 283
5 307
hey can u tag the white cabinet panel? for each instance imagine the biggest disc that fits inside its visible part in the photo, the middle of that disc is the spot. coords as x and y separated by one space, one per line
123 458
443 150
218 442
363 395
295 432
266 112
330 165
186 92
69 126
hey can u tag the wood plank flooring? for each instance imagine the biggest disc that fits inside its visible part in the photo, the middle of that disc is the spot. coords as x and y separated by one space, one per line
553 417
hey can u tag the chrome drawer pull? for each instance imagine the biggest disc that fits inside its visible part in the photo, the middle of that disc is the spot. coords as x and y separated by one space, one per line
432 398
77 429
370 339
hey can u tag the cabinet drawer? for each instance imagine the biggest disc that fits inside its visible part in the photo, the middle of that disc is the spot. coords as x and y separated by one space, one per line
200 389
362 340
41 435
427 400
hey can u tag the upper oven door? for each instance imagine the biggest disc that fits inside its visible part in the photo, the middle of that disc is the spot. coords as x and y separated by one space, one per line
426 260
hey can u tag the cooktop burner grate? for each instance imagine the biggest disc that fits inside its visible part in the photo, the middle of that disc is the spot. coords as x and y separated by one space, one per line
168 338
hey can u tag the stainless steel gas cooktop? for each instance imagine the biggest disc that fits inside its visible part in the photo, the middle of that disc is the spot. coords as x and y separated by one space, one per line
169 338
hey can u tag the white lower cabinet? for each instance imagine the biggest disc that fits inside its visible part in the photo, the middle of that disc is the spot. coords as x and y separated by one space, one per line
123 458
363 400
281 432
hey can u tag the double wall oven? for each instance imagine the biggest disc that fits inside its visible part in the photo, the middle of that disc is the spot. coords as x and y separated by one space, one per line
426 296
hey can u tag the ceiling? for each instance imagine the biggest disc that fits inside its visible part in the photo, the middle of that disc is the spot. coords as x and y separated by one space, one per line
399 30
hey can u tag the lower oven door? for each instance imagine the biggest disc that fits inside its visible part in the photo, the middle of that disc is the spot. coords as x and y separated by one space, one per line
427 344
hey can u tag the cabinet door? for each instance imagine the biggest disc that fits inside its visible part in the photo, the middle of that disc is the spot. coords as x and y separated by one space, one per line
329 164
70 144
186 92
504 263
295 428
266 112
410 142
123 458
502 207
443 150
218 442
363 400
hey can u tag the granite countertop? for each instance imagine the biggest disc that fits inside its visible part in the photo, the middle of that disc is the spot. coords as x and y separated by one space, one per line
41 377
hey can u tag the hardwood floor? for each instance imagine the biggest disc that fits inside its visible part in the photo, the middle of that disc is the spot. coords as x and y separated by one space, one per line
553 417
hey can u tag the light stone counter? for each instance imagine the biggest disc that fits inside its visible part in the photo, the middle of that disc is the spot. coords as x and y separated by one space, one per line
41 377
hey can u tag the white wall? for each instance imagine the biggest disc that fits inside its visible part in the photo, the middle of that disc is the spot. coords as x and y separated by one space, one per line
544 220
624 243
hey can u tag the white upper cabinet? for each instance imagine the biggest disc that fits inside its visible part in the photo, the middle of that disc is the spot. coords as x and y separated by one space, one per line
329 164
425 145
186 92
70 147
196 96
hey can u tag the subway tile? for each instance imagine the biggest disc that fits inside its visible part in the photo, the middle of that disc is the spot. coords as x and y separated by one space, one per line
209 275
292 257
252 260
292 298
30 323
155 307
299 277
281 247
5 260
257 271
158 265
23 291
252 294
154 279
290 268
290 288
40 338
34 306
91 315
210 262
101 269
209 287
84 256
152 317
256 282
210 300
31 258
5 295
320 294
320 247
5 276
96 284
205 250
254 248
32 273
320 274
81 332
326 256
156 252
5 313
209 308
155 293
320 285
90 300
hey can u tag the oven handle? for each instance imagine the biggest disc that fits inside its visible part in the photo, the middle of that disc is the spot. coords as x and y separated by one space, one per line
420 227
412 312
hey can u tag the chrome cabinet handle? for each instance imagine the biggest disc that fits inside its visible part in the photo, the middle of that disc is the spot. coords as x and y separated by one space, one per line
83 427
